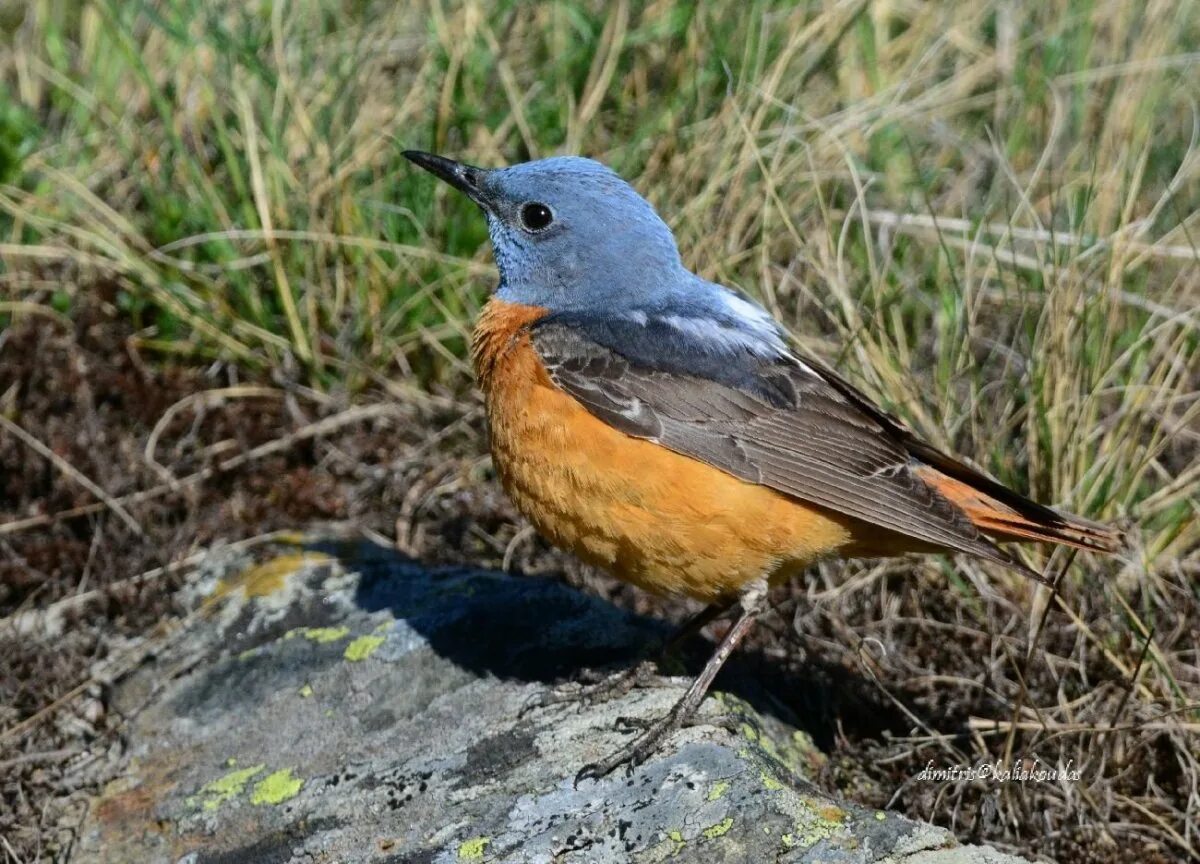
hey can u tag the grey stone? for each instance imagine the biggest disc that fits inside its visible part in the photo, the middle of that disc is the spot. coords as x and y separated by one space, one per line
346 704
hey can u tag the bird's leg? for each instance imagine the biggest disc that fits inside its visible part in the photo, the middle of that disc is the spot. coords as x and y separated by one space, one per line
641 674
751 602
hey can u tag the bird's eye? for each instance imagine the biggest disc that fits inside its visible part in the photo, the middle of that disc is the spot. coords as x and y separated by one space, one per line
535 216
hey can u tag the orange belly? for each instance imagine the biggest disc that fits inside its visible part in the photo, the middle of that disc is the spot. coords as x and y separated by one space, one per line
663 521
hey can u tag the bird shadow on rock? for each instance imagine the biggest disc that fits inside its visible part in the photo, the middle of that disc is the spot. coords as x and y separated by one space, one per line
536 630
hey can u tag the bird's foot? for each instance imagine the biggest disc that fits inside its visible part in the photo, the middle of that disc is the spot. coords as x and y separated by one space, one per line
597 690
654 734
728 721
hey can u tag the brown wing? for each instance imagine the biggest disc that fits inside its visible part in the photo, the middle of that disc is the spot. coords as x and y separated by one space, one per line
790 430
990 505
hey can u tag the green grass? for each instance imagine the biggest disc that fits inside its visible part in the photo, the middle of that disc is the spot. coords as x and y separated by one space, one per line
986 212
1001 199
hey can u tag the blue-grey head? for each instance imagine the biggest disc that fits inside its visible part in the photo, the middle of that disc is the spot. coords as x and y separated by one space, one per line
571 236
567 231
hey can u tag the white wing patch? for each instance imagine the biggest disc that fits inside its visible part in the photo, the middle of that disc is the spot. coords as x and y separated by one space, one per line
760 321
753 330
710 332
755 319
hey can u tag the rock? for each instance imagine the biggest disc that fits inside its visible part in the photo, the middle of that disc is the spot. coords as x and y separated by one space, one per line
344 703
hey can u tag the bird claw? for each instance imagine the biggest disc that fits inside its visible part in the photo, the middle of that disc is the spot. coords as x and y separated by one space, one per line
632 724
546 698
601 688
728 721
654 733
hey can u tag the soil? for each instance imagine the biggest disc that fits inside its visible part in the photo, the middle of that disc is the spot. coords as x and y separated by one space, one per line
419 476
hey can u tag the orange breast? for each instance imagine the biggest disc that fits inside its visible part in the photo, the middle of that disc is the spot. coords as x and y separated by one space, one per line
665 522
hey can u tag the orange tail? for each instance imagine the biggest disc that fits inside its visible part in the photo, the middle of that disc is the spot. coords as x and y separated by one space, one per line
1017 518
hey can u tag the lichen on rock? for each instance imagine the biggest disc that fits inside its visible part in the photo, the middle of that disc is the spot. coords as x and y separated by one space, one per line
355 700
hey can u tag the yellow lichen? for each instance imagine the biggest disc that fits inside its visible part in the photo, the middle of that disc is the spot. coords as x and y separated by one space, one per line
788 841
677 842
215 793
801 754
305 691
472 850
276 788
362 648
770 782
820 821
720 829
719 788
880 815
268 577
832 813
321 635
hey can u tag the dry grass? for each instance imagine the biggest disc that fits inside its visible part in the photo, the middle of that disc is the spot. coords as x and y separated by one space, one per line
985 212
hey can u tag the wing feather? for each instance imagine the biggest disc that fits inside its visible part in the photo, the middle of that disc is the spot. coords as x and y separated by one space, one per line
792 430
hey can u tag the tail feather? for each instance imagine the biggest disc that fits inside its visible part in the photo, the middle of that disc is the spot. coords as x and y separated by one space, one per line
1007 520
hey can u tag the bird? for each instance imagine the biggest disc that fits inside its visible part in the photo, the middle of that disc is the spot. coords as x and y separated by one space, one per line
666 429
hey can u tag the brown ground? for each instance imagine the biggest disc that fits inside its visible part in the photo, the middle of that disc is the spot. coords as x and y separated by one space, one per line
419 474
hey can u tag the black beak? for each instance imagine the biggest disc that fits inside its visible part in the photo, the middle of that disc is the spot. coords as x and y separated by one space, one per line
463 177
